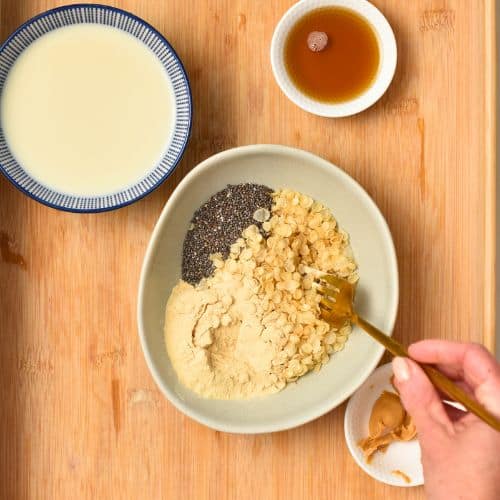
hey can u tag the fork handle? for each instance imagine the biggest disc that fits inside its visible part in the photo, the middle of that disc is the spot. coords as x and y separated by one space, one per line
438 379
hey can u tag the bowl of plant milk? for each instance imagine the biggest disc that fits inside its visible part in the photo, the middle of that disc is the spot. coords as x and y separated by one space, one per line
95 108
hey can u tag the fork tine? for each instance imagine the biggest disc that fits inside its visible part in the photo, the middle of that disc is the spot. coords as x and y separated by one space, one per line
327 304
329 289
336 297
332 281
335 320
324 290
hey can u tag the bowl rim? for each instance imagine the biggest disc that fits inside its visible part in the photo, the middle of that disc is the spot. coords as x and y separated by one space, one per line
182 149
180 190
387 67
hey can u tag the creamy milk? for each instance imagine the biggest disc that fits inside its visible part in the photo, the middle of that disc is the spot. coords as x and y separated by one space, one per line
87 110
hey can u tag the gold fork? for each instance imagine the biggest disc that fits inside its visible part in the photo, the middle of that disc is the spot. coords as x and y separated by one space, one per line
337 309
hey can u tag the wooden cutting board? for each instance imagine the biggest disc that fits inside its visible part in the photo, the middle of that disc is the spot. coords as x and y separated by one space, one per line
80 415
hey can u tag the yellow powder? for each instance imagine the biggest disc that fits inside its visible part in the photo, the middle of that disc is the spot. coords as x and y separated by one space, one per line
214 340
254 325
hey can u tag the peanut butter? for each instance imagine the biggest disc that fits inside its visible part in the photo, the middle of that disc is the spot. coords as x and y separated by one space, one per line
405 477
389 422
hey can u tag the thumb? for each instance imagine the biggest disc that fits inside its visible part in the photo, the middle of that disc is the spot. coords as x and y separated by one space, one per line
420 399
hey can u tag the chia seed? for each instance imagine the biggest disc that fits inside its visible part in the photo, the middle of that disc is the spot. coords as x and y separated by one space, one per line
218 223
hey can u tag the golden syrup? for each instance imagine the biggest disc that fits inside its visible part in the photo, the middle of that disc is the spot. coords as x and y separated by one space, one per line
345 68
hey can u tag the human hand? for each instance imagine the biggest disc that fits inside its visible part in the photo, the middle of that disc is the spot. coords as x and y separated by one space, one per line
460 453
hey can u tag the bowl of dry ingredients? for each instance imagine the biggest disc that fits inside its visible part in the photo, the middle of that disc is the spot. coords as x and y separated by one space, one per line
227 311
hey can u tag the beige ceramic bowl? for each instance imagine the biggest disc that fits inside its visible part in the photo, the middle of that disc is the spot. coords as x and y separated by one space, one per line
377 297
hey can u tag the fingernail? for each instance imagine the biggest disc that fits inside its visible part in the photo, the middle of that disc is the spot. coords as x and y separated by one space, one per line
487 394
401 369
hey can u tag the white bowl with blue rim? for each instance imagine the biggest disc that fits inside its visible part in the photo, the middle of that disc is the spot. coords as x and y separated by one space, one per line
64 16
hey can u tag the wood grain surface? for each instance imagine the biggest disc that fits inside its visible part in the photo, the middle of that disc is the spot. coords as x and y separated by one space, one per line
80 416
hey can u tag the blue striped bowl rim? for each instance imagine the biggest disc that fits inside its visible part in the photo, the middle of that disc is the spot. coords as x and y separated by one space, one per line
67 15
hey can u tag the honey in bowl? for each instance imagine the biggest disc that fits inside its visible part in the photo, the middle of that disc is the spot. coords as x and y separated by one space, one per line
332 54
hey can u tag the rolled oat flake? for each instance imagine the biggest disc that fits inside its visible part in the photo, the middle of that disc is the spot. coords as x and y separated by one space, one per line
261 215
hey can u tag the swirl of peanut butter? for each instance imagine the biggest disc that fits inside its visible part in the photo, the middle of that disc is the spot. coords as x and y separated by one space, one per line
388 423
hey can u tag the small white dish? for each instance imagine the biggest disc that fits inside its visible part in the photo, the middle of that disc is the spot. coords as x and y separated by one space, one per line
376 299
388 58
402 456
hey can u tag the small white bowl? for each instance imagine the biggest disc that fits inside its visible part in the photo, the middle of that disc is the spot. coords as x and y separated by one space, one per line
402 456
387 67
377 296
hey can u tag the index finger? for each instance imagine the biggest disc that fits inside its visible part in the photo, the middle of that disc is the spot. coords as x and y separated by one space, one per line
472 362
